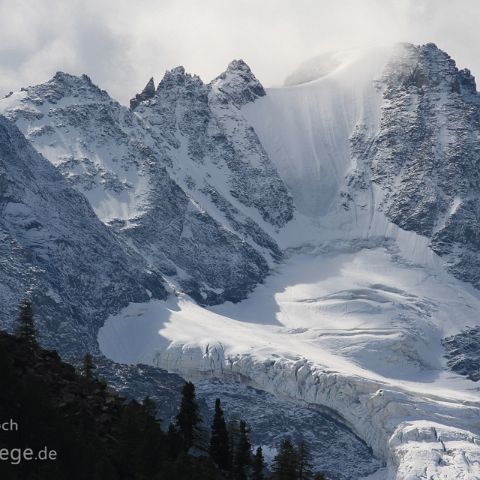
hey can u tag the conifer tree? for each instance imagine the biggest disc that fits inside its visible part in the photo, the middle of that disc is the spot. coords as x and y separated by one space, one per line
174 442
149 406
233 437
219 444
258 465
188 417
304 460
88 366
25 323
243 453
285 465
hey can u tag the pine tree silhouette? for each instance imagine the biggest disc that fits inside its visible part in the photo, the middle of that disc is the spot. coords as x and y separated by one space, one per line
233 430
88 366
174 442
219 445
304 459
285 464
188 417
243 453
258 465
25 323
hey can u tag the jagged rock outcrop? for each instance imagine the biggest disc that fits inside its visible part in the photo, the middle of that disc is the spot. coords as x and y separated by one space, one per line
145 94
205 131
463 353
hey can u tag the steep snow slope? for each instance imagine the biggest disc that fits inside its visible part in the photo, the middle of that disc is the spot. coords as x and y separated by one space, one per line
306 129
355 316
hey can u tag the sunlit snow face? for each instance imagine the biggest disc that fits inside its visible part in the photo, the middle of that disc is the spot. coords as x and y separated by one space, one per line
121 44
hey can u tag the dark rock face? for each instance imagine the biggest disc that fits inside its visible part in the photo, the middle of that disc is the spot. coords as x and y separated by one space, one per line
92 430
56 248
426 156
463 353
175 234
146 93
139 381
221 265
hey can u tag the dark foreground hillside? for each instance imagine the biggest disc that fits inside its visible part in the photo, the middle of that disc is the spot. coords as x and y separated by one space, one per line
58 424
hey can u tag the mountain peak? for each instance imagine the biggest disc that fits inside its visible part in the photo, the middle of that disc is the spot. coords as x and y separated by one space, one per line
426 67
71 79
147 93
63 85
239 65
238 83
178 77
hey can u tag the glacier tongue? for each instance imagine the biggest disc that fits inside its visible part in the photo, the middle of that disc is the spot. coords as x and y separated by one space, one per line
357 330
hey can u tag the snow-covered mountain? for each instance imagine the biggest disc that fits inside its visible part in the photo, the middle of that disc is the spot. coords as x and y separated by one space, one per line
183 180
321 238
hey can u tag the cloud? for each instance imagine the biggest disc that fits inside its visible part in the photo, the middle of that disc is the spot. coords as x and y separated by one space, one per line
121 43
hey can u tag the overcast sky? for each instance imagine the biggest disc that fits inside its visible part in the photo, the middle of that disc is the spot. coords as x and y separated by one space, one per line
120 44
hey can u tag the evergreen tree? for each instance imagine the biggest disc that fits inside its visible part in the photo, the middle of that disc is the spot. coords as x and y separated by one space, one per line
258 465
149 406
243 453
285 465
174 442
25 323
219 444
304 459
88 366
188 417
233 437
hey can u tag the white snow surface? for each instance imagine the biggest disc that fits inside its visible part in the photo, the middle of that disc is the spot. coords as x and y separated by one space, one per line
353 318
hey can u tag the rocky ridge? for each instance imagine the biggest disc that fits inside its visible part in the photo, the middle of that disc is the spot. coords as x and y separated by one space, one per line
167 177
425 157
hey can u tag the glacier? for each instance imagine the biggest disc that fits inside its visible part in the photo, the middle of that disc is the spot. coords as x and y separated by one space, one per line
354 317
342 208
